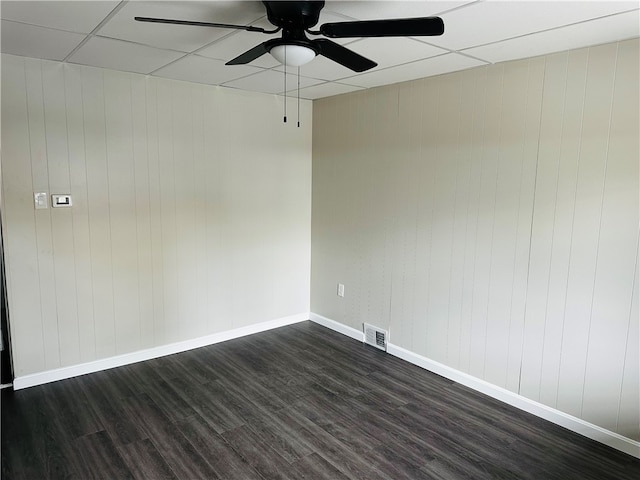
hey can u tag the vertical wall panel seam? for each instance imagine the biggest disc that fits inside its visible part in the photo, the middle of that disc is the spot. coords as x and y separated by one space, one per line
626 346
515 255
604 180
433 161
573 220
360 199
477 217
566 82
175 209
385 246
407 190
147 174
553 224
388 237
432 209
161 267
135 208
466 231
407 289
106 151
533 211
151 206
493 225
403 249
196 229
46 148
193 186
391 234
73 237
203 93
86 180
453 223
415 240
35 224
364 195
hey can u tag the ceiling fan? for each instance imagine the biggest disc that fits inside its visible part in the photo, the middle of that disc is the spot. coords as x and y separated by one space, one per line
296 18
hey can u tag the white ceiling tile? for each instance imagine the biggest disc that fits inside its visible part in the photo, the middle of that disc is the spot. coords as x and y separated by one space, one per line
119 55
184 38
379 10
204 70
604 30
387 52
270 81
322 90
37 42
492 21
263 21
491 30
450 62
238 43
81 17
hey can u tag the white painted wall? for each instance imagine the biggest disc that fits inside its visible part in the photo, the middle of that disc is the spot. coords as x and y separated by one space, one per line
489 220
191 211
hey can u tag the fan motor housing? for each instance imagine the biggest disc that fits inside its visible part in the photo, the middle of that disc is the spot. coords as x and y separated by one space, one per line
294 15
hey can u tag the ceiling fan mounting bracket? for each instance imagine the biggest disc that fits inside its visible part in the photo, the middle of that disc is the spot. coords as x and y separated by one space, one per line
296 15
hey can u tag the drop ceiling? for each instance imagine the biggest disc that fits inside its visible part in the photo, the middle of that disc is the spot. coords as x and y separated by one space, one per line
104 34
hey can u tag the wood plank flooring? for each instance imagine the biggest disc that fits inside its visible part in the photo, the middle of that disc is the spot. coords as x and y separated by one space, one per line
299 402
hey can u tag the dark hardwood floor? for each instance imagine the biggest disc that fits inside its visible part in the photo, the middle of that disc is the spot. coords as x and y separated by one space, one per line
299 402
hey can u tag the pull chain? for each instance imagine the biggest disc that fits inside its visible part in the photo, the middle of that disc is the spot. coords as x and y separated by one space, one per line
298 97
285 84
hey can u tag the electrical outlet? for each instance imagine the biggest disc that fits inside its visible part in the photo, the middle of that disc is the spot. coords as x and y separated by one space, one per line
341 290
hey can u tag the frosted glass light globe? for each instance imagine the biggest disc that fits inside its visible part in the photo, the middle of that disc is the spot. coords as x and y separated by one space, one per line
296 55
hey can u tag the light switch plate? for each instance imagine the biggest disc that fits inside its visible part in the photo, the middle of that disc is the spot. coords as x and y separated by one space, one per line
60 201
40 200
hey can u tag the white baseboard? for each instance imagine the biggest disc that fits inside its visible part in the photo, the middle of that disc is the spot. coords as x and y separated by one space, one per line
337 326
565 420
155 352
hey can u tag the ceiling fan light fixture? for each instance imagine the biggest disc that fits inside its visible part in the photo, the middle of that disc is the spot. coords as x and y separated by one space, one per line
296 18
292 55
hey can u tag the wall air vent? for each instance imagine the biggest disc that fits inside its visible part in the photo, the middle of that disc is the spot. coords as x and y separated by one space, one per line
375 337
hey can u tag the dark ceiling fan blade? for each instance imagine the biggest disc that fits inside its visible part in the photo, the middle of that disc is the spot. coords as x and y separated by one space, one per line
248 28
402 27
345 57
251 55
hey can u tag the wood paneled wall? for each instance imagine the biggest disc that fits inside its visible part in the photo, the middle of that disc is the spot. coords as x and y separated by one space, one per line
191 211
489 220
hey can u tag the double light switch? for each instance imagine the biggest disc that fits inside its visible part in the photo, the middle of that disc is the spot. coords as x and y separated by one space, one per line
57 200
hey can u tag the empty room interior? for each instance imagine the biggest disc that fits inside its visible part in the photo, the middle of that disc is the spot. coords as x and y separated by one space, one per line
324 240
